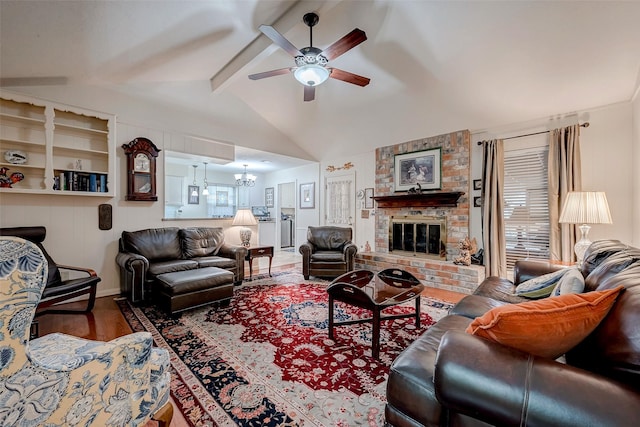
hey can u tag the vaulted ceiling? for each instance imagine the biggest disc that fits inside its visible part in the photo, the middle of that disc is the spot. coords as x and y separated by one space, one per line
435 66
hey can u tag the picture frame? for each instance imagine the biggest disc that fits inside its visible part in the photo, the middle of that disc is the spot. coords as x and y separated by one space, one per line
308 195
368 198
477 184
477 202
222 198
268 197
193 200
420 167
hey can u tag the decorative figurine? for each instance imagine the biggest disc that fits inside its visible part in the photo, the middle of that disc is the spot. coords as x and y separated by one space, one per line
8 181
467 247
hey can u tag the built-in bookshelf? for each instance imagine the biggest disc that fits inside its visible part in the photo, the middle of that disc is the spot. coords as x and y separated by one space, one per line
59 149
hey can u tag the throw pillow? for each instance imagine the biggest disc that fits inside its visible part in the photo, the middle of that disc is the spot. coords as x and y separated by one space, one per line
548 327
541 286
572 282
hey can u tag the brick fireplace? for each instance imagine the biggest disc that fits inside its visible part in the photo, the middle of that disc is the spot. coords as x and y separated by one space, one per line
441 272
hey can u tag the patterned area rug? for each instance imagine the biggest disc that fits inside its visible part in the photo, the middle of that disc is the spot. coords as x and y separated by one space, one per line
266 359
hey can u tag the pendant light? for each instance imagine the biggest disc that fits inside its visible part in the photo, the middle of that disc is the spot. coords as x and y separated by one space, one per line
205 191
194 193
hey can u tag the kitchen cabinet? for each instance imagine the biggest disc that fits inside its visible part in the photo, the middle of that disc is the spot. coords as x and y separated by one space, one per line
288 195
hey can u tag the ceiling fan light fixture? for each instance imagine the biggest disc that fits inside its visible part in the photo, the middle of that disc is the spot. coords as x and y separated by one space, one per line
311 74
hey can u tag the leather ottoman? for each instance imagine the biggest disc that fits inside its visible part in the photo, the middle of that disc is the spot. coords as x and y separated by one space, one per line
183 290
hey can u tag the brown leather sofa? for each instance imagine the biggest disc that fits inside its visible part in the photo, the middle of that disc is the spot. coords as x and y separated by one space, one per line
450 378
328 251
146 254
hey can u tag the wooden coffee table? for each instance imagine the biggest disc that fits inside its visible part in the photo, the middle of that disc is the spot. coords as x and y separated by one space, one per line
374 292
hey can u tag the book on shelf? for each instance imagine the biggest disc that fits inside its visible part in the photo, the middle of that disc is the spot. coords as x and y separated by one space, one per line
81 181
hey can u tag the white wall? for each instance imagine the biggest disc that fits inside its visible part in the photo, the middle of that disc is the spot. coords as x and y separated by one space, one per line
364 169
73 236
72 221
607 163
303 217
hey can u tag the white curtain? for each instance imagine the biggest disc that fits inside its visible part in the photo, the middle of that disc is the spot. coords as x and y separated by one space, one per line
339 202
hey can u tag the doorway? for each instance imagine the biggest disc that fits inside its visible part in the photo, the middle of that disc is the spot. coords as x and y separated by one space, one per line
287 214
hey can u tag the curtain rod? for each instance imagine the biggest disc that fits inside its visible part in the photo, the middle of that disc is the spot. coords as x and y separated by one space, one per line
584 125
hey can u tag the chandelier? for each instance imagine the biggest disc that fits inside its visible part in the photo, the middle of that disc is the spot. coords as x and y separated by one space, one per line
245 179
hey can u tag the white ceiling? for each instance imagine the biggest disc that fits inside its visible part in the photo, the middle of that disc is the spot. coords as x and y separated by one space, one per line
435 66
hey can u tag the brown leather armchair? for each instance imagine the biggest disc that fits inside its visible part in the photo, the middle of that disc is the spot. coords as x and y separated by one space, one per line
328 252
57 290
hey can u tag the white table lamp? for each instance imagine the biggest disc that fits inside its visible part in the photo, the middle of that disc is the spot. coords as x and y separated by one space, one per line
585 207
243 218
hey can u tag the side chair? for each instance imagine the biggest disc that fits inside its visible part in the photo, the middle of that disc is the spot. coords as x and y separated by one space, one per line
328 251
61 380
58 290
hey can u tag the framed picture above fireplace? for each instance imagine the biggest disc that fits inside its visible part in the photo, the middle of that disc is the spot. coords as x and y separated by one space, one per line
419 167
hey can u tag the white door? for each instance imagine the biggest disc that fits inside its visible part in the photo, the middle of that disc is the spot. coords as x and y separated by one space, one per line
340 205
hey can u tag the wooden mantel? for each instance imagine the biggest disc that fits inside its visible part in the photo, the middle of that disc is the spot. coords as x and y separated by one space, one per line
422 200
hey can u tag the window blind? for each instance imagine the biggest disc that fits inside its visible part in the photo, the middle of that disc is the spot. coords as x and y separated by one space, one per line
526 205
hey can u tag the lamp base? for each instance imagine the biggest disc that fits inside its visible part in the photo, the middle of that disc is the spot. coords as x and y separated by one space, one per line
581 245
245 237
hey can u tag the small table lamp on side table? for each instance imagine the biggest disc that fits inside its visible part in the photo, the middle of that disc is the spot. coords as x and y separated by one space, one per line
585 207
243 218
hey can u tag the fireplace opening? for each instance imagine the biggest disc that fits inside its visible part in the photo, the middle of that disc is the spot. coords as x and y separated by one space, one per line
418 235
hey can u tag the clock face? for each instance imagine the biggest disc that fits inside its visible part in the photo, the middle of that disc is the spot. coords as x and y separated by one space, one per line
141 163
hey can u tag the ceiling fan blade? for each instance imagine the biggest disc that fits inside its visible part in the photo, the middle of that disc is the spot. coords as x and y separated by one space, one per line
309 93
271 73
279 39
348 77
351 40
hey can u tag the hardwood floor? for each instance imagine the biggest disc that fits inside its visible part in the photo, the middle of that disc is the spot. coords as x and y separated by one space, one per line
106 322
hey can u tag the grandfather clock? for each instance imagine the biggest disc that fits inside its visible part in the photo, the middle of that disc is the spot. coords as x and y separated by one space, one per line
141 169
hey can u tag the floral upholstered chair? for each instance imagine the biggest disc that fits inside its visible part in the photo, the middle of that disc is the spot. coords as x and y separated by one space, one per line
60 380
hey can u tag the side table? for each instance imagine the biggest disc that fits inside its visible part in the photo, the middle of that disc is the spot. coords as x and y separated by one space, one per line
257 252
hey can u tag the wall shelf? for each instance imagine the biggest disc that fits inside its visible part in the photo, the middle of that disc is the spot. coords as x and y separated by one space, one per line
422 200
70 150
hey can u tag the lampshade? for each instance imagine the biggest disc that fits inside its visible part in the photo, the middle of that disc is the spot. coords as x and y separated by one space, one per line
585 207
311 74
243 218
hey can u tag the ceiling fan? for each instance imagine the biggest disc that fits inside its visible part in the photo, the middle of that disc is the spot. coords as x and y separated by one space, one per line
311 63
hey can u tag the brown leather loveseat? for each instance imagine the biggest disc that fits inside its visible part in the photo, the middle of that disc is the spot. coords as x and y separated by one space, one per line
146 254
450 378
328 251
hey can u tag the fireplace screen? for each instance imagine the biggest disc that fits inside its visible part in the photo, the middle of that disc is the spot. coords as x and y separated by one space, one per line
418 235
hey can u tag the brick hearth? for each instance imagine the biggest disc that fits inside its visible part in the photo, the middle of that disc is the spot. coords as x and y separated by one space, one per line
436 274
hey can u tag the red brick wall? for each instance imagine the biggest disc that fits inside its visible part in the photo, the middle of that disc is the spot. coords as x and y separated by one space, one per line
454 177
